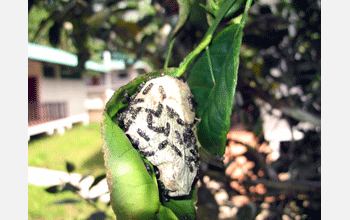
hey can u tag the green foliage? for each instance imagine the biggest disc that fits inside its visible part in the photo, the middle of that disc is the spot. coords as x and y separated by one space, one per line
184 207
64 202
82 147
134 194
36 16
213 82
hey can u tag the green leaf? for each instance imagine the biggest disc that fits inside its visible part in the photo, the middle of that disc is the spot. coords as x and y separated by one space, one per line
183 207
134 194
165 214
213 82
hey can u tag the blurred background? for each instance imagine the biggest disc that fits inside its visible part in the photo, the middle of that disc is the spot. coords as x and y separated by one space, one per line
81 51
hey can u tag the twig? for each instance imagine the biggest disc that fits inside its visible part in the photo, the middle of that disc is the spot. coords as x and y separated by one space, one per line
296 186
301 115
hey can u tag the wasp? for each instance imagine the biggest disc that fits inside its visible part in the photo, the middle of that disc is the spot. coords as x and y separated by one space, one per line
148 87
143 134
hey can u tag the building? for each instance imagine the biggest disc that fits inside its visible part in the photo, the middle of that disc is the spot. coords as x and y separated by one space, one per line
59 96
56 93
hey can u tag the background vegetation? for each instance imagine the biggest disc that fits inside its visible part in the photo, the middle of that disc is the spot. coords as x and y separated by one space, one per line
80 146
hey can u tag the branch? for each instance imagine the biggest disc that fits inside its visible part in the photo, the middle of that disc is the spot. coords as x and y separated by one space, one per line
54 16
43 24
301 115
297 186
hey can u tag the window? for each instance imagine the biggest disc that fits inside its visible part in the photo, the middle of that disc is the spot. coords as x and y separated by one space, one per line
122 74
48 71
69 73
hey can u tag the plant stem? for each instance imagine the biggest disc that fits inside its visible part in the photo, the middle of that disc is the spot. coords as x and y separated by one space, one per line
246 9
190 57
169 53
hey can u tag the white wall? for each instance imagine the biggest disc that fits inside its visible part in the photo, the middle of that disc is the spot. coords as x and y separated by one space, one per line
72 91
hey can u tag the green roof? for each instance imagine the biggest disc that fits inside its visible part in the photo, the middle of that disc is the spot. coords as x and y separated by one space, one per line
53 55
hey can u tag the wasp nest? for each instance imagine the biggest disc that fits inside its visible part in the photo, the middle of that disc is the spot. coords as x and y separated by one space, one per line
159 122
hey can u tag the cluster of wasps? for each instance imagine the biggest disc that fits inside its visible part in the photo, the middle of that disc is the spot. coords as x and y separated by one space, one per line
159 122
